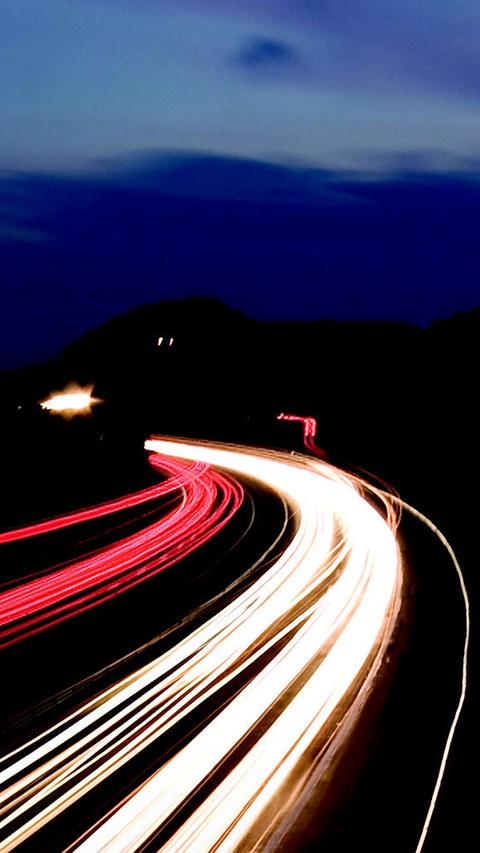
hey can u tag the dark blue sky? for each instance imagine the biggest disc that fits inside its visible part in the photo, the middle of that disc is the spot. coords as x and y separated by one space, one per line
298 158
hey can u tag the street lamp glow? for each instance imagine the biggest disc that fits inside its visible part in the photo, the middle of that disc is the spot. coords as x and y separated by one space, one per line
74 400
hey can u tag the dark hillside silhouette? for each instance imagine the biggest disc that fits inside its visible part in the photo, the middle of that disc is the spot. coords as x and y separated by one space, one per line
276 242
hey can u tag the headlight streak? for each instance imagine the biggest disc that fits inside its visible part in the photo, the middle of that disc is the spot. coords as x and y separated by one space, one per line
463 688
229 813
332 597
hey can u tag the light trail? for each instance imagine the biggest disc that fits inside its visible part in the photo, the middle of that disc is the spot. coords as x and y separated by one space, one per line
309 432
209 500
463 690
298 651
174 482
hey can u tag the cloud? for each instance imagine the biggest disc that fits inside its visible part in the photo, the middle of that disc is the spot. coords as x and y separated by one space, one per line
266 54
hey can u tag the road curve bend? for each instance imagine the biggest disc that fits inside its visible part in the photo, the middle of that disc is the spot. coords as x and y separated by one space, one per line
283 671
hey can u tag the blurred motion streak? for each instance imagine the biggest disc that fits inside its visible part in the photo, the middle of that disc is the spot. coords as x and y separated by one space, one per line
305 641
208 500
309 432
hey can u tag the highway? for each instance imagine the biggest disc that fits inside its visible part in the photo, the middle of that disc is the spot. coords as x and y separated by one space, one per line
219 740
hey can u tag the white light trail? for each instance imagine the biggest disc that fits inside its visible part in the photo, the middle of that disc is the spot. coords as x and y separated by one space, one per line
463 690
313 629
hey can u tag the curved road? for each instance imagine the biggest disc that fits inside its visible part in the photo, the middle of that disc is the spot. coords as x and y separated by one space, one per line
234 725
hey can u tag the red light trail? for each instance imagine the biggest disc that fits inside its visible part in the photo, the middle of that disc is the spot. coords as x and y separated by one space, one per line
208 501
108 507
309 432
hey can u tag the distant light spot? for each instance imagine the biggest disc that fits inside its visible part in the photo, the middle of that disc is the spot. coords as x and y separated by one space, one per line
162 338
73 400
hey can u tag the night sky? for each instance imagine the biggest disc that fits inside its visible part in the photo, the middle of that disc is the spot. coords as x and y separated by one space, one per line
297 158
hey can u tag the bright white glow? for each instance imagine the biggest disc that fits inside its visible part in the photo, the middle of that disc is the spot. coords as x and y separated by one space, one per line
72 400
